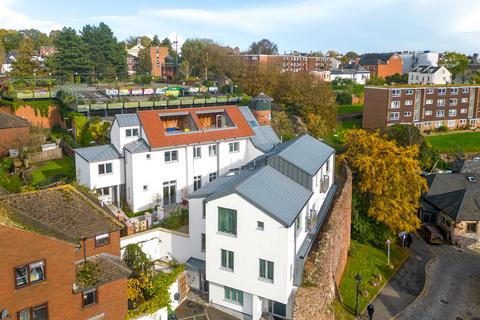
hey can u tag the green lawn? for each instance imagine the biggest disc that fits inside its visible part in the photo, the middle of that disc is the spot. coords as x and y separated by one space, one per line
367 261
52 171
349 108
454 142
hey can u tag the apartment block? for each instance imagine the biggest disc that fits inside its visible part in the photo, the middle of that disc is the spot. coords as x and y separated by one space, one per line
427 107
294 62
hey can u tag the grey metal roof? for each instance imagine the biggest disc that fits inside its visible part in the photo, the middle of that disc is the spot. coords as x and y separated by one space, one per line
265 138
264 187
127 120
196 265
305 152
137 146
98 153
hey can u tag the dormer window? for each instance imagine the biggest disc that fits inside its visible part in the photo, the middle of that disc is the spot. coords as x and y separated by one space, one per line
131 132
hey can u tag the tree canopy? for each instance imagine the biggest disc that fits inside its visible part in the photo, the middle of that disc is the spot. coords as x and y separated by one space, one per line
456 63
263 46
24 65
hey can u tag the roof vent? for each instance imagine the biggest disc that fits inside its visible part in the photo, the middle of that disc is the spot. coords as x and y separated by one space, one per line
472 179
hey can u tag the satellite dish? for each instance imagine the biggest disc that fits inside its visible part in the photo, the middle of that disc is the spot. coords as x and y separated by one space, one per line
176 296
4 314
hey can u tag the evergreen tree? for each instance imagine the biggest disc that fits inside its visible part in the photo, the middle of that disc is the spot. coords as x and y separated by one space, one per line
24 65
71 56
155 42
171 50
144 62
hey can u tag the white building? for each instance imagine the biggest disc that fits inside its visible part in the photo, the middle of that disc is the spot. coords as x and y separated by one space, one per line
356 73
429 75
255 227
158 157
414 59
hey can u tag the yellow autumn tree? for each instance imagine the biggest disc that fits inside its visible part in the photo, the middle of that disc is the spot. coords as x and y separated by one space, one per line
389 176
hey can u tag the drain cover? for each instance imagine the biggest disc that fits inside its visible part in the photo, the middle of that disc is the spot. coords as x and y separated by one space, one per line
444 302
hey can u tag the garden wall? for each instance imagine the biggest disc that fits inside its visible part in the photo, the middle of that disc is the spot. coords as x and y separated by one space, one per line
46 155
35 118
326 261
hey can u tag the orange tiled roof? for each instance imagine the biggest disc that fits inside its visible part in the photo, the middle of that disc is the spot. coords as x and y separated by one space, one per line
157 137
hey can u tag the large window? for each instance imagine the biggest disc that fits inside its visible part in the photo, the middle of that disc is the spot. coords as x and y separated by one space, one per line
212 176
102 240
234 295
227 221
394 115
131 132
227 259
234 146
39 312
266 270
89 297
197 182
169 192
30 273
171 156
105 168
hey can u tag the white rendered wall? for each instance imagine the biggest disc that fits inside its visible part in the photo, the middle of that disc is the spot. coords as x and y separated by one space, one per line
82 171
216 294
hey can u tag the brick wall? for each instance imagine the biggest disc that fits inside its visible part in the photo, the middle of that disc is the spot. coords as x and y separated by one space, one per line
393 66
326 262
36 119
11 137
375 109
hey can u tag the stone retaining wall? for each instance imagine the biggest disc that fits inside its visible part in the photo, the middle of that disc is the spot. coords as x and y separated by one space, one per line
326 261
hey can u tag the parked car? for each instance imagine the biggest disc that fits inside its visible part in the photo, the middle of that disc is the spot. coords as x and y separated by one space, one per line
431 234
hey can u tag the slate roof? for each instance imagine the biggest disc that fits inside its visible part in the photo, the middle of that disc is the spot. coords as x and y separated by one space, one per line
138 146
98 153
375 58
127 120
61 212
305 152
8 121
471 166
265 138
350 69
262 96
425 69
454 195
110 268
264 187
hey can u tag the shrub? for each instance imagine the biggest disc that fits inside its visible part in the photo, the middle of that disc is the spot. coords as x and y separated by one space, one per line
344 98
442 129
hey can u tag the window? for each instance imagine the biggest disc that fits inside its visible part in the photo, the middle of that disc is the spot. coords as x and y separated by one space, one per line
453 101
452 112
471 227
212 150
463 110
454 91
197 152
227 259
39 312
429 101
227 221
104 168
197 182
407 114
438 124
234 295
465 90
234 146
428 112
430 91
266 270
169 192
464 100
30 273
463 121
203 242
131 132
442 91
298 223
171 156
260 225
451 123
441 102
395 93
212 176
394 115
104 191
148 156
102 239
395 104
408 102
409 92
89 297
440 113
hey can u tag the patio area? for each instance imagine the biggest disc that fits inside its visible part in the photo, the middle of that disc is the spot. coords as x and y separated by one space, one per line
195 307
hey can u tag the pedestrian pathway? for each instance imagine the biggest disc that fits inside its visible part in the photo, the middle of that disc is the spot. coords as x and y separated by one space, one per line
406 285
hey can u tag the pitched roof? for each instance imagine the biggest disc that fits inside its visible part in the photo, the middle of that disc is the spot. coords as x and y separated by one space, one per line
137 146
8 121
350 69
265 138
98 153
375 58
471 166
305 152
127 120
158 137
264 187
426 69
61 212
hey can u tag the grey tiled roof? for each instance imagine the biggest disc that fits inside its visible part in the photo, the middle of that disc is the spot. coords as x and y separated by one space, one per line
426 69
98 153
264 187
127 120
375 58
10 121
265 138
138 146
305 152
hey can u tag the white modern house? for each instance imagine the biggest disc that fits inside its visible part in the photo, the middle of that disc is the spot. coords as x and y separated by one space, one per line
354 72
429 75
250 230
158 157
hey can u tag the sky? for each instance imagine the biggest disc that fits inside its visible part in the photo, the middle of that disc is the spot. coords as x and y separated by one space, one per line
305 25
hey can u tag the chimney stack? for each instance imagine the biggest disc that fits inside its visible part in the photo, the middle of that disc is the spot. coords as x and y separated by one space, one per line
261 106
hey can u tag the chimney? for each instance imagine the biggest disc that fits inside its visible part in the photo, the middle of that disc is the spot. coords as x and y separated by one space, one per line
261 106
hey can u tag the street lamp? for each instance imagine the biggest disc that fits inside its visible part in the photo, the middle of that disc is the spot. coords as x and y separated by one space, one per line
358 279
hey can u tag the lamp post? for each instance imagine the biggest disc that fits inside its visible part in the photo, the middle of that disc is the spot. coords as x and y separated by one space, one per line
388 242
358 279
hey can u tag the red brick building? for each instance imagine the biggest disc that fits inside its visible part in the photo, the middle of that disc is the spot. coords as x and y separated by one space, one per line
382 65
13 130
294 62
47 237
157 56
426 106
